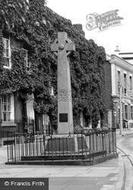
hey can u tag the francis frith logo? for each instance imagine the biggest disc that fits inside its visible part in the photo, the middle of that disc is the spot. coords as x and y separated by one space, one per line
103 21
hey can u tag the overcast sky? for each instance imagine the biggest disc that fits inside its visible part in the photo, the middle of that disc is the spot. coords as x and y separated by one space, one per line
77 11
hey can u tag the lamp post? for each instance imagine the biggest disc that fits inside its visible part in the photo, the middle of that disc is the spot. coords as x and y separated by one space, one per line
117 103
121 116
115 119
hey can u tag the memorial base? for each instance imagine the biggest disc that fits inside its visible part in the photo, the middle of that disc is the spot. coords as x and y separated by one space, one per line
73 149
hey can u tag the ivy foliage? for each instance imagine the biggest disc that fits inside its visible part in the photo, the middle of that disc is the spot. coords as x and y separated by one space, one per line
36 26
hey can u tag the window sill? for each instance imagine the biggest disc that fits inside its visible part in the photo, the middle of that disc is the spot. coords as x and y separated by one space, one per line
8 123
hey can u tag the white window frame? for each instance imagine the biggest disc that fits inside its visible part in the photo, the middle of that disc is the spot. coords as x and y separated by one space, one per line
27 63
7 51
126 111
27 4
52 91
132 112
130 82
7 107
125 83
118 81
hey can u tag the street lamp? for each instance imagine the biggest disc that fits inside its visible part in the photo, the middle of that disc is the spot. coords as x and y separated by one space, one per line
121 116
115 119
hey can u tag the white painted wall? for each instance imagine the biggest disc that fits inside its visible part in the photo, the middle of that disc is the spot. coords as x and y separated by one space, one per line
113 74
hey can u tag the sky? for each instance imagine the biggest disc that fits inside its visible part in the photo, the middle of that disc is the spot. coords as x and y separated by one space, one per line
77 11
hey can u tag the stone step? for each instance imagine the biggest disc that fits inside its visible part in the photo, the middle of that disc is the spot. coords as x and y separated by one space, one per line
54 157
67 156
85 161
51 162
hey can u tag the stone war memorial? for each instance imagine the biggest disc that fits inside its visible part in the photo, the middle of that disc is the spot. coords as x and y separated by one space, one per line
65 147
62 48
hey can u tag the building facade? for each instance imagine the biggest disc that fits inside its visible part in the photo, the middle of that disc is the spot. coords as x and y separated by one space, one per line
15 111
122 91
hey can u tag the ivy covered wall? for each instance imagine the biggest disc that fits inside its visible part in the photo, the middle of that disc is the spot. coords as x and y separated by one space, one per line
36 26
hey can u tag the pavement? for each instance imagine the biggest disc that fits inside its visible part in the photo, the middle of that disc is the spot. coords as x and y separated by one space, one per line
109 175
124 132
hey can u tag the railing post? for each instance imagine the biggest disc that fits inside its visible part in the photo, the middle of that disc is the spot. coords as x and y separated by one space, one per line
44 148
15 146
7 153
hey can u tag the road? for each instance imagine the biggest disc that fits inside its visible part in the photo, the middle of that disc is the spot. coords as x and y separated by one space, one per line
126 154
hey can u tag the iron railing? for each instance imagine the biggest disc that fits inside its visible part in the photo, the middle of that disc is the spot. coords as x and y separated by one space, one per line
58 147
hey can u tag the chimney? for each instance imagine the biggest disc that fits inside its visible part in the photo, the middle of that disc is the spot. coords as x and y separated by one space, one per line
79 28
41 2
117 50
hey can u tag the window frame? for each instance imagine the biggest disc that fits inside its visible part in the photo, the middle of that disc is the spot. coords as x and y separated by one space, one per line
7 50
126 111
125 84
27 62
6 108
118 81
130 82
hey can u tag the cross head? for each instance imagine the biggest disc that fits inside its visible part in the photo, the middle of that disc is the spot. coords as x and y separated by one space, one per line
62 43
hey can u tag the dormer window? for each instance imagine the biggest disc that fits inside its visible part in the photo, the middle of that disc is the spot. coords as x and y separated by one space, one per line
6 53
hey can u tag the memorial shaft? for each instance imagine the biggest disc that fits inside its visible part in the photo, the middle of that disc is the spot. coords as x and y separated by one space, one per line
62 47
